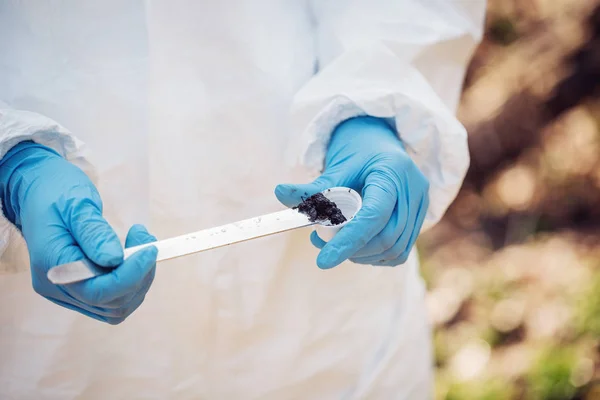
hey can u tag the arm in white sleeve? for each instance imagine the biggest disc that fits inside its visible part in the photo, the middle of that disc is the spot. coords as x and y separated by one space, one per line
403 61
17 126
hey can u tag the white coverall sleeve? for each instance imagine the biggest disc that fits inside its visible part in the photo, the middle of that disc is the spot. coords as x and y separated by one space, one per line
17 126
403 61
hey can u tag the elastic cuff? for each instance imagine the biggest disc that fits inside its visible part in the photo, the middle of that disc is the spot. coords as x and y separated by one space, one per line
17 126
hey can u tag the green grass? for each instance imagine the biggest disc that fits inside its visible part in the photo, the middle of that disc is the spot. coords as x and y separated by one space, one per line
589 308
481 390
549 378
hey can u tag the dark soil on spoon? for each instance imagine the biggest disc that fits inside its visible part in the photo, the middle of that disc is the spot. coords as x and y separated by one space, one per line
319 208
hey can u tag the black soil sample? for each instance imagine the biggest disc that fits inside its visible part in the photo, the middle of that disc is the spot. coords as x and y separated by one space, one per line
319 208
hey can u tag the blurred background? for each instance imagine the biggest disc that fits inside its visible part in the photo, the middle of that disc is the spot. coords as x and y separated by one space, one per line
513 270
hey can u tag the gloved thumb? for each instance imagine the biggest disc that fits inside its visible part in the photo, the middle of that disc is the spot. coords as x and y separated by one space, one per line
137 236
291 195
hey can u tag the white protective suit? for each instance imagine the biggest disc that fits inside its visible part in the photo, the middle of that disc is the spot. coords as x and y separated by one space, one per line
183 107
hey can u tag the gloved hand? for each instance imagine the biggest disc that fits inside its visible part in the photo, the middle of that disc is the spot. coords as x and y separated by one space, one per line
365 154
59 212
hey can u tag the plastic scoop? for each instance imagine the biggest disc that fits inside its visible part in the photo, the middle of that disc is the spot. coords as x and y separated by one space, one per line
346 199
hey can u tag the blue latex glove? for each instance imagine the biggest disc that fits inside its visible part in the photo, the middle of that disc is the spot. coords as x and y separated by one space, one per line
59 212
366 155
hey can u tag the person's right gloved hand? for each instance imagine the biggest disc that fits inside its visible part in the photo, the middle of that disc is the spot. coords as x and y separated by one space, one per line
59 212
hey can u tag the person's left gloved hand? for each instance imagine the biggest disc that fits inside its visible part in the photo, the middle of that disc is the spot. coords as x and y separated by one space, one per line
365 154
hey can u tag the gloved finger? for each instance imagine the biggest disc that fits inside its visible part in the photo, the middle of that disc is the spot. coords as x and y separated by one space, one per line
291 195
107 308
112 317
417 227
317 241
394 237
68 301
141 290
379 200
78 309
62 249
391 263
126 309
138 235
376 260
121 281
387 238
59 248
398 254
61 252
83 217
119 307
125 312
60 293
